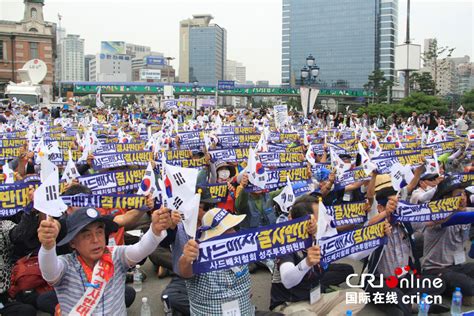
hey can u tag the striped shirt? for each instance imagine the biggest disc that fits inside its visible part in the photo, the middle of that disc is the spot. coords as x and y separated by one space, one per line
208 291
441 245
396 252
70 287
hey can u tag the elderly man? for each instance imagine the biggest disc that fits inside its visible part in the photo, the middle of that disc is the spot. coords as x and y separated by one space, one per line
92 279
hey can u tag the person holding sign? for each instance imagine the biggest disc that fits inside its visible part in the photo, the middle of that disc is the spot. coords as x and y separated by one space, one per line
221 292
92 278
444 246
258 206
297 278
391 259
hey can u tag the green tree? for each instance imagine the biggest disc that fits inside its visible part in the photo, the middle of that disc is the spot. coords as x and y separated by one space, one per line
417 101
88 102
422 82
467 100
116 103
378 85
132 99
124 99
421 103
294 103
376 109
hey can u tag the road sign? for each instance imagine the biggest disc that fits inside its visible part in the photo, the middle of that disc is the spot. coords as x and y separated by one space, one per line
225 85
154 74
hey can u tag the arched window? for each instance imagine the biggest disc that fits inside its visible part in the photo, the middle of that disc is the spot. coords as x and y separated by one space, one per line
33 13
33 30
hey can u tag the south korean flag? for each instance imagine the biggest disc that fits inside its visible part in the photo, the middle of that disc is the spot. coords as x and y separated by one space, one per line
257 174
367 164
47 199
310 156
432 165
8 174
179 185
70 173
286 198
374 147
470 135
148 184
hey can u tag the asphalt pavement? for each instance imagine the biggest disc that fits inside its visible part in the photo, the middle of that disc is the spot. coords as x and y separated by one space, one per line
261 283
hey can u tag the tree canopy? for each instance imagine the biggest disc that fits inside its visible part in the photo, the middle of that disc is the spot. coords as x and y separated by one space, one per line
419 102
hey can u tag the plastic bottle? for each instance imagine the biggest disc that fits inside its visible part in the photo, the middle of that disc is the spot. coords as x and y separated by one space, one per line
137 279
146 309
166 305
456 302
423 306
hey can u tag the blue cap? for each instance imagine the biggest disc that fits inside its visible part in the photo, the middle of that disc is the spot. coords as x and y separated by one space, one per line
322 174
349 313
458 289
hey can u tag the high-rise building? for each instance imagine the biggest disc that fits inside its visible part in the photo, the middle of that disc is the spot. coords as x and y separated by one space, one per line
235 71
465 72
202 50
87 59
137 51
452 74
71 58
349 39
31 38
114 68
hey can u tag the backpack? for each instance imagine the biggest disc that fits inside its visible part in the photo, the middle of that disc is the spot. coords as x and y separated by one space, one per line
26 276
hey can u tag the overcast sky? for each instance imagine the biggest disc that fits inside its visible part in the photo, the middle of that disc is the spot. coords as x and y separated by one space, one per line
253 26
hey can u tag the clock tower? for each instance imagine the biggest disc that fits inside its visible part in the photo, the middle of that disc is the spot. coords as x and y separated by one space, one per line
34 11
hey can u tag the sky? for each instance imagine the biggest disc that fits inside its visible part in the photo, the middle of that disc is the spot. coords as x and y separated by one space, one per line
253 26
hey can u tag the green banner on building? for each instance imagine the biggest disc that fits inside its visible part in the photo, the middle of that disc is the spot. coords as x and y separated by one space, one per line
153 89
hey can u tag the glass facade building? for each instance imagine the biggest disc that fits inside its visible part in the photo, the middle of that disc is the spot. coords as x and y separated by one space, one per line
348 38
207 54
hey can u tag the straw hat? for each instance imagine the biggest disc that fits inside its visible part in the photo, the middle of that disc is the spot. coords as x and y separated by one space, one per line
383 181
216 221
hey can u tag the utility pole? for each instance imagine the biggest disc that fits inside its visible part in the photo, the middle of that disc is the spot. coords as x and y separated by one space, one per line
407 41
58 41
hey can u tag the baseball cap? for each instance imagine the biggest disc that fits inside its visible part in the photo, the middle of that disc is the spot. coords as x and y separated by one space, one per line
82 217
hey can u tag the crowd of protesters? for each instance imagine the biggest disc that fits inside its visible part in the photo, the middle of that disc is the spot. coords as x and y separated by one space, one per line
65 258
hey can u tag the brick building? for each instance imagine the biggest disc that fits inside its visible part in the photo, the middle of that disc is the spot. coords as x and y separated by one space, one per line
27 39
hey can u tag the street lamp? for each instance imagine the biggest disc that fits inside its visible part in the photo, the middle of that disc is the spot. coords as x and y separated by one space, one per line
195 94
309 74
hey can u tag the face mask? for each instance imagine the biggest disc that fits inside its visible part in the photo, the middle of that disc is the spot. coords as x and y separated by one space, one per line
223 174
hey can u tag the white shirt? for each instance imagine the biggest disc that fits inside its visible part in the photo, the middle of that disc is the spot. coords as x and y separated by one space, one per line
202 119
421 196
461 124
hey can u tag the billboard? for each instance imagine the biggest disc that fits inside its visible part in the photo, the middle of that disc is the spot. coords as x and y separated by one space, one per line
225 84
113 48
407 57
153 74
155 61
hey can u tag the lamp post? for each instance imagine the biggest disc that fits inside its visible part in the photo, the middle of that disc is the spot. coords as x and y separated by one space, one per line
195 94
309 74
